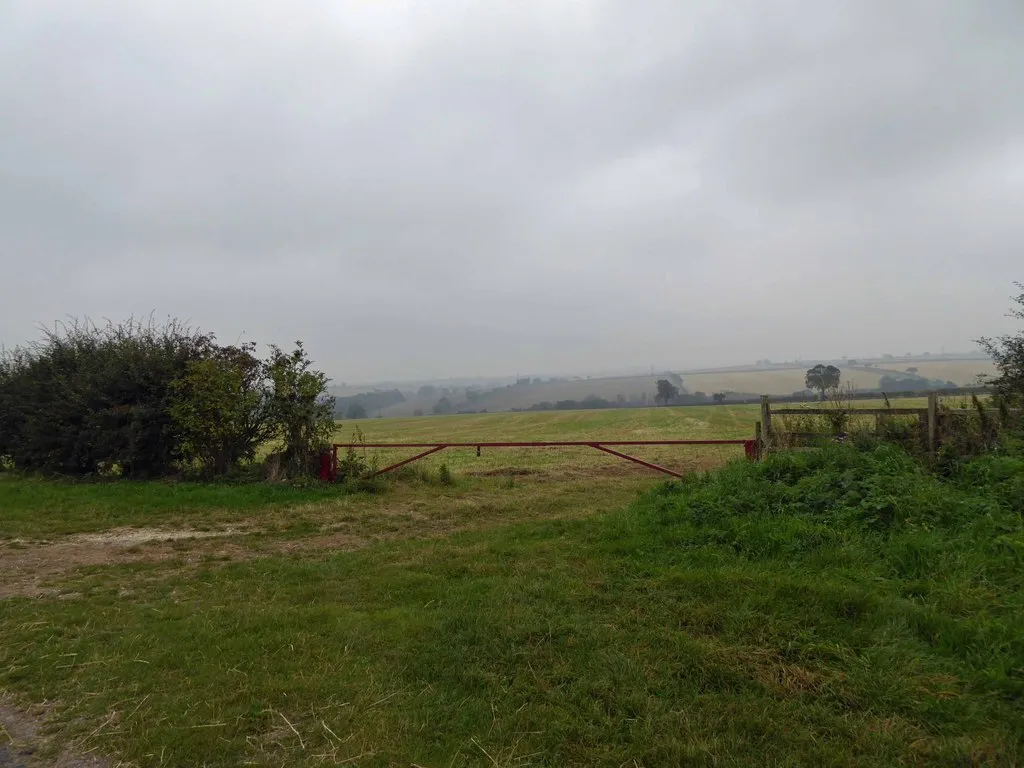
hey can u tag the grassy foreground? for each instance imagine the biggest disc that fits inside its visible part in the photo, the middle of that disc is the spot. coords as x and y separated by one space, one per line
839 607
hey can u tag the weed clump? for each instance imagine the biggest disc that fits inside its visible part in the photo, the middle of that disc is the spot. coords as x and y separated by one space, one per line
444 476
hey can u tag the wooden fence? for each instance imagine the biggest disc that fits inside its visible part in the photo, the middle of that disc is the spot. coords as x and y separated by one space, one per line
930 418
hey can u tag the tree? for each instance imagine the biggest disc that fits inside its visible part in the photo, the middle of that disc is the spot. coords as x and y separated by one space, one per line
302 412
822 378
140 399
444 405
912 370
666 393
718 397
356 411
222 409
1007 352
90 398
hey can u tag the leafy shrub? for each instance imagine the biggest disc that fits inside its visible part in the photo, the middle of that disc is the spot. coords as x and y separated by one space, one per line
881 489
944 555
303 416
222 409
140 399
355 465
88 396
1007 352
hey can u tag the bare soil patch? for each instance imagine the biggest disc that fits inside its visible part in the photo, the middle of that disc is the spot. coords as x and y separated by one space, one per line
23 743
35 568
27 567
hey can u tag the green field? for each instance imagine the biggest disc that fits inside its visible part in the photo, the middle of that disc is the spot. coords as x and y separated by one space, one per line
658 423
553 607
712 422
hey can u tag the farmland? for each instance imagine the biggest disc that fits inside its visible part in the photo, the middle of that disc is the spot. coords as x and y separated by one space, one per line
695 423
553 607
766 381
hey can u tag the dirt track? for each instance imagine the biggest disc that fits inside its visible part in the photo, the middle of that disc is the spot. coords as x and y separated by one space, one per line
27 567
24 745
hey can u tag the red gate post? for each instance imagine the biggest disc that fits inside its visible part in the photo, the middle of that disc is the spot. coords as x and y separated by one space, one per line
326 465
750 449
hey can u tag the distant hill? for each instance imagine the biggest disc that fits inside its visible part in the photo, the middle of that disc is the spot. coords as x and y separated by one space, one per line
747 381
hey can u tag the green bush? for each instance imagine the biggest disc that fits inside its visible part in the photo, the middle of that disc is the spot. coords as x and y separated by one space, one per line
87 398
954 545
879 489
223 409
302 414
1007 353
146 400
354 464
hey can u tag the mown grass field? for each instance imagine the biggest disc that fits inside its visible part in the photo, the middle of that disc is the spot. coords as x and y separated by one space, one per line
836 608
729 422
656 423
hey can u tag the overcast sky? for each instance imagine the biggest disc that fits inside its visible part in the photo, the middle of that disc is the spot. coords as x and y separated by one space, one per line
467 187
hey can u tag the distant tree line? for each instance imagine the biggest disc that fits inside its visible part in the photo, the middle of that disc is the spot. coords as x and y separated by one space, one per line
147 400
366 403
912 383
590 402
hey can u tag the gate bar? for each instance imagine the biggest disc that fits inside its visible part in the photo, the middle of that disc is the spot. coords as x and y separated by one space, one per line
749 447
542 443
647 464
435 449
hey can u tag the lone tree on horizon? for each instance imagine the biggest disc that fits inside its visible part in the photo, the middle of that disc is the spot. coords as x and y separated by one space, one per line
822 378
667 392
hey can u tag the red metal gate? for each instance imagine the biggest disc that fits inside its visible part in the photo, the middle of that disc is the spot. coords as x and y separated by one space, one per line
749 448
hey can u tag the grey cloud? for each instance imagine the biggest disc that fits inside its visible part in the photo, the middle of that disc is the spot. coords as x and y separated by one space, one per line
454 187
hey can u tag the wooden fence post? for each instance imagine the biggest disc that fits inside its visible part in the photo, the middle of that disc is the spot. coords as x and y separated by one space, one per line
933 422
757 438
766 425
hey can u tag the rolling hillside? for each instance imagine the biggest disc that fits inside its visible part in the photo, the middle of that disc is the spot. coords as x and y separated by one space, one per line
770 381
